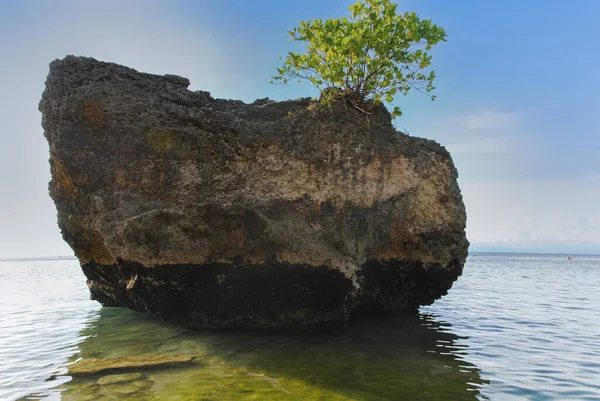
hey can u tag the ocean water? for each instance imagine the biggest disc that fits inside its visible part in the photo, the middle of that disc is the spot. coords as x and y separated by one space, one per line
513 327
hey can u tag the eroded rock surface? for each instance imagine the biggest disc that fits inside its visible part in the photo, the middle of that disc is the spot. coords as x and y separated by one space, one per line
214 213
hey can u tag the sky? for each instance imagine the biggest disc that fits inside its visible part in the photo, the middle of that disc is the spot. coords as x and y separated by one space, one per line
517 99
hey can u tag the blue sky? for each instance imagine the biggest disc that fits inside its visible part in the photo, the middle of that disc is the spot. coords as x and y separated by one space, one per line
517 99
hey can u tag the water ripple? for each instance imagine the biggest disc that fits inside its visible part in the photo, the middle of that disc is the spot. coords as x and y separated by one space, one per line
43 307
534 337
511 328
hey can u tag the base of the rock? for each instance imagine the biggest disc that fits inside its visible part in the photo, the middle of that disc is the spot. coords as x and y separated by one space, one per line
275 295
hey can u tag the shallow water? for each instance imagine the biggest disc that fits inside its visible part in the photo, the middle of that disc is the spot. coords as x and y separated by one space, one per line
512 328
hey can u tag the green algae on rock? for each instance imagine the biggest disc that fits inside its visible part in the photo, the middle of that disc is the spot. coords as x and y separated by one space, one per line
119 378
91 366
218 214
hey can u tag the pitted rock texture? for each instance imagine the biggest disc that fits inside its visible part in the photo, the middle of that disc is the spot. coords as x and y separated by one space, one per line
214 213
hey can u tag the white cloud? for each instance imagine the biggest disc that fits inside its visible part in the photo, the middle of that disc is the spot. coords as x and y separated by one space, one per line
549 211
490 120
506 206
485 143
474 127
497 145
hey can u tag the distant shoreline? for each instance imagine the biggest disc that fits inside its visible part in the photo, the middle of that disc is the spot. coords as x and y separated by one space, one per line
30 258
490 253
472 253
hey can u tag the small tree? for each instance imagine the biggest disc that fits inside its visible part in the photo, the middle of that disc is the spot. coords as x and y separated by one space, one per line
365 59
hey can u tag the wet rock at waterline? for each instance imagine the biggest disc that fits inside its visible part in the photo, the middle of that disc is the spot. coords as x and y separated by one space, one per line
214 213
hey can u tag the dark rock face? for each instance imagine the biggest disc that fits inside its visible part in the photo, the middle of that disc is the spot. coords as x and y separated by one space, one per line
219 214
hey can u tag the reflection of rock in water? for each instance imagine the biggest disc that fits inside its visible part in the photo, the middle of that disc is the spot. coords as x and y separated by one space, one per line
384 358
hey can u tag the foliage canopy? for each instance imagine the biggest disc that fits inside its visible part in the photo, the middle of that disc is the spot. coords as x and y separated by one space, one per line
365 59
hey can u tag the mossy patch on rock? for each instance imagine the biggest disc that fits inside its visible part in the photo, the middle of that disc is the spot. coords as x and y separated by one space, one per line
160 140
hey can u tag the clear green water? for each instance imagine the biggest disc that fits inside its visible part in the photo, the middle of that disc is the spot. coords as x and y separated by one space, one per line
512 328
402 357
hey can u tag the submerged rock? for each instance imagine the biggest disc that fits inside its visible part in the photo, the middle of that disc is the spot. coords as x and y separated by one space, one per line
116 379
214 213
92 366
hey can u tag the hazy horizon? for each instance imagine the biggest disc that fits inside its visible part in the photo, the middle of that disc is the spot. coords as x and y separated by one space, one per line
521 127
479 251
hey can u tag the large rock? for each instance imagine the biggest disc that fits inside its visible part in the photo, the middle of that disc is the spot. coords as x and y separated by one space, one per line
220 214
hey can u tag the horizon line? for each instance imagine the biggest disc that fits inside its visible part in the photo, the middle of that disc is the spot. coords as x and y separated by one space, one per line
508 252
